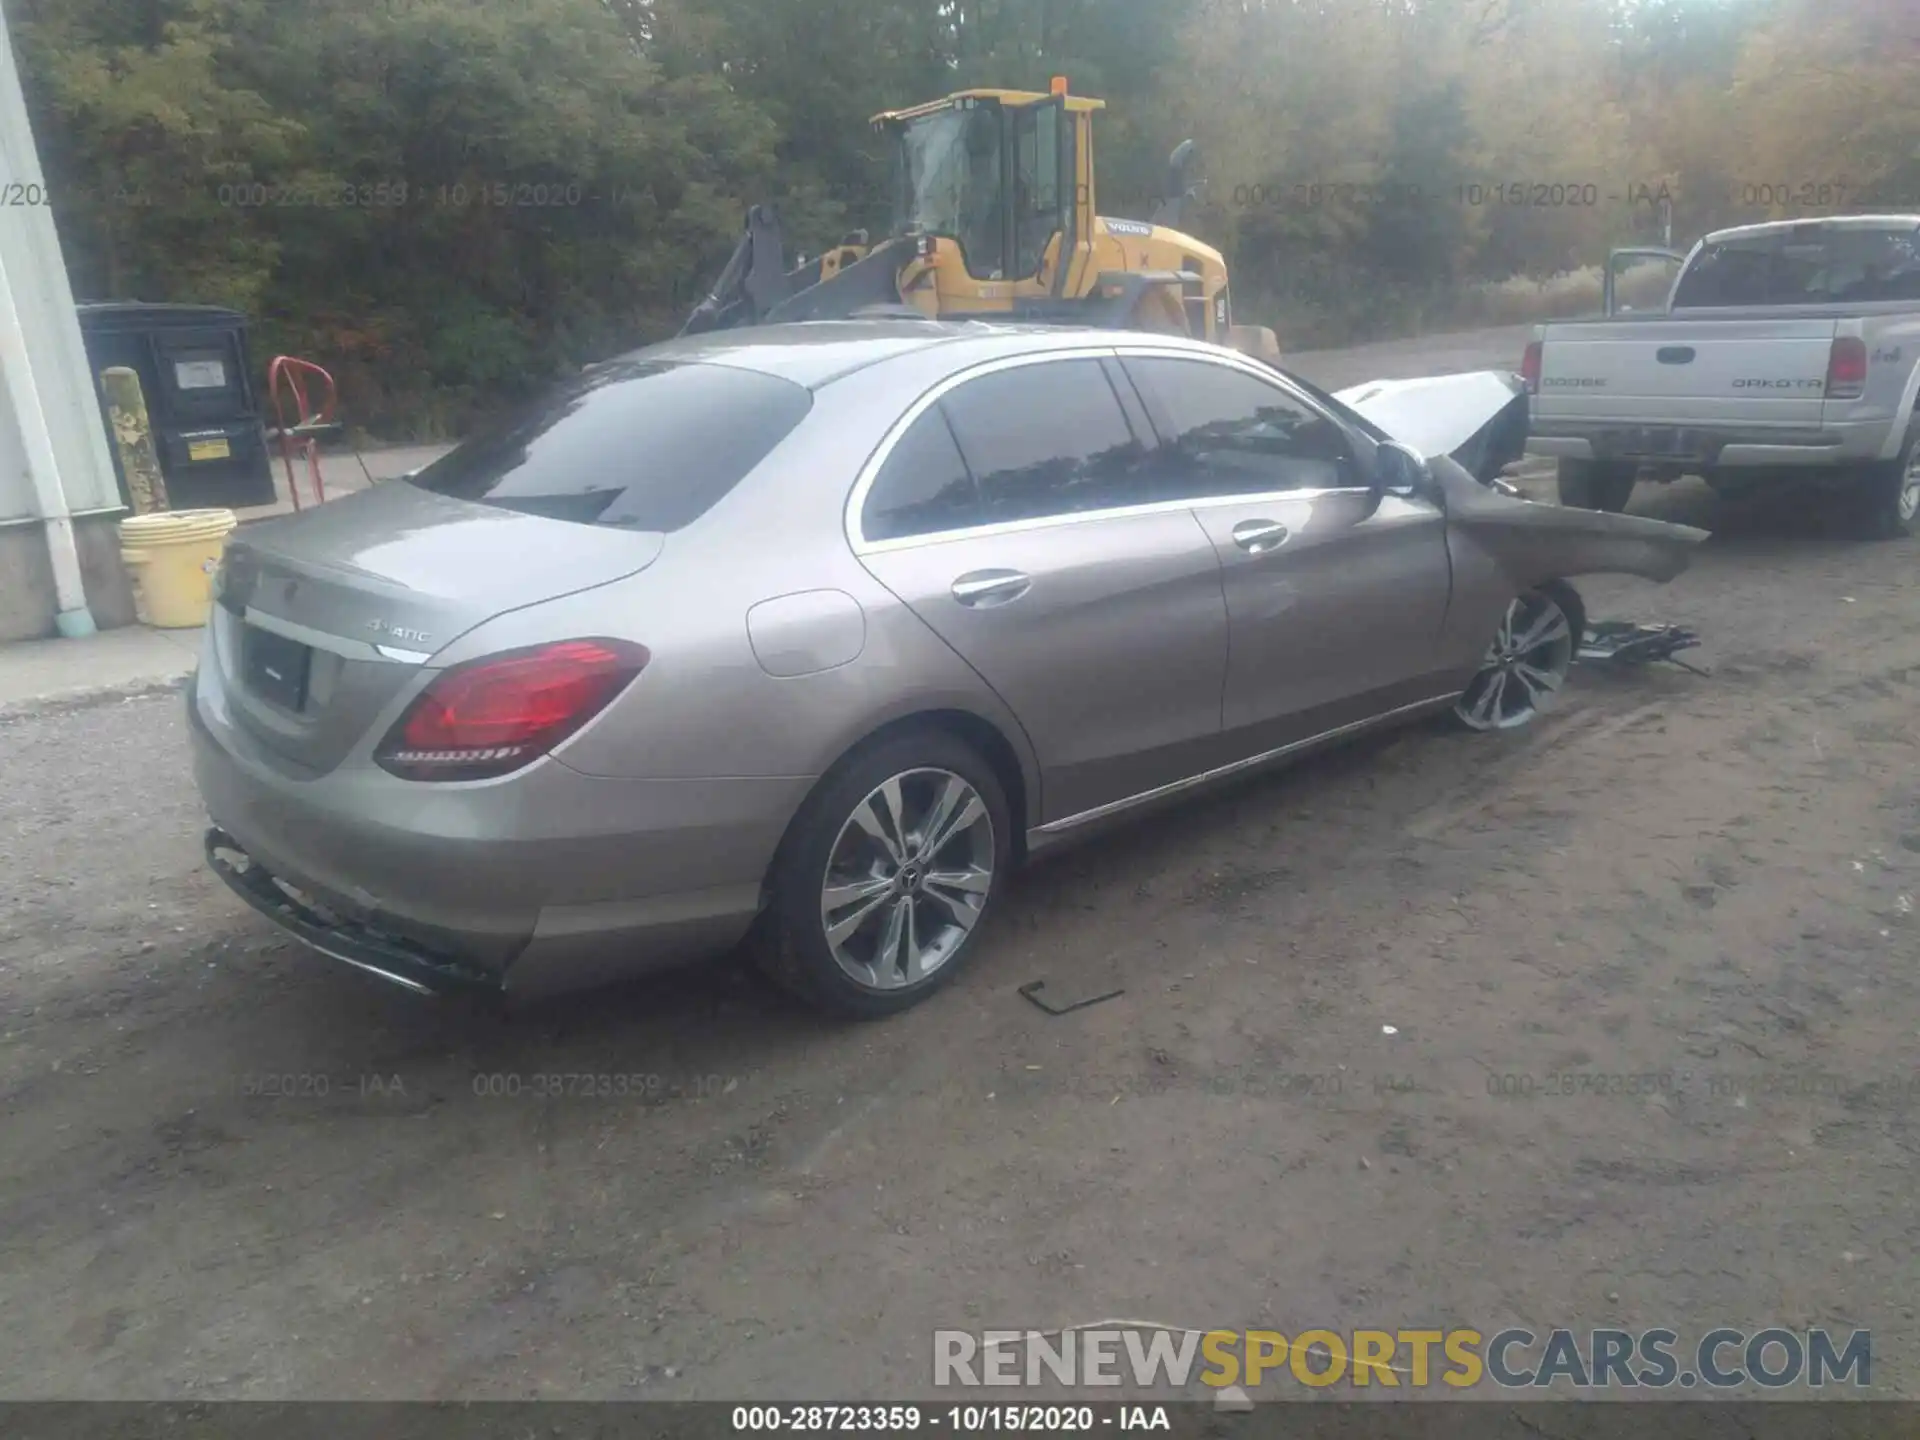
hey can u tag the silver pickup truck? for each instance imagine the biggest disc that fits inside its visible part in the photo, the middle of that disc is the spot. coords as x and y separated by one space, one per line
1786 353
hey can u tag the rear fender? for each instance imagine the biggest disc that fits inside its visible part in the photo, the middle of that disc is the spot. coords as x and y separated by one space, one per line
1903 418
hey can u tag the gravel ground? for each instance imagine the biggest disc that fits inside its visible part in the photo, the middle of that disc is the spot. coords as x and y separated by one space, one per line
1705 879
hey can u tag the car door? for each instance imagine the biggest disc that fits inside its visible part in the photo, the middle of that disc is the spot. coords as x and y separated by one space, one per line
1335 601
1016 514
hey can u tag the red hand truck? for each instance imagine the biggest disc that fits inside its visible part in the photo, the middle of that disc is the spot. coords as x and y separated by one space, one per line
288 375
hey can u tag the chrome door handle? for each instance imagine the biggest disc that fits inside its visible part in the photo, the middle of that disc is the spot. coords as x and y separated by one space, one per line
1257 536
990 587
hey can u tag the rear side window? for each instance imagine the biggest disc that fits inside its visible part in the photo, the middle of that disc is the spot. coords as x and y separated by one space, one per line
643 445
1048 439
1815 266
924 486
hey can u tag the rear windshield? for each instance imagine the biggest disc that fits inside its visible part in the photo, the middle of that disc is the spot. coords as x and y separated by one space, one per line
643 445
1815 266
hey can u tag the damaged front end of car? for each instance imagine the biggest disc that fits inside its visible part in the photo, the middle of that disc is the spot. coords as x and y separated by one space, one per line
1477 419
1513 558
1471 427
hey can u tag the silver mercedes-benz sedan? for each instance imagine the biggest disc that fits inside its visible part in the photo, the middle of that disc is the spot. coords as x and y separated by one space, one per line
803 636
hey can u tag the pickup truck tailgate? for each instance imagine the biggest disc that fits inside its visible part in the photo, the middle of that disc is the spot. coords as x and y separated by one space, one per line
1702 373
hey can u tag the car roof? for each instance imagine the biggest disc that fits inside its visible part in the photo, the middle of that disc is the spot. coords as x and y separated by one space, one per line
1829 222
814 353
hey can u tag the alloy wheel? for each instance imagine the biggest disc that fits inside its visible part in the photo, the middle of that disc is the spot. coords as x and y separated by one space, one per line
1907 503
907 878
1525 666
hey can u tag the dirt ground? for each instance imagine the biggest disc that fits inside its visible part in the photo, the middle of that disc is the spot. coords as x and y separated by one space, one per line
1708 879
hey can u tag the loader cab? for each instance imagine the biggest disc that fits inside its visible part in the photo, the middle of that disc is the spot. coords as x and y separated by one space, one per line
1006 176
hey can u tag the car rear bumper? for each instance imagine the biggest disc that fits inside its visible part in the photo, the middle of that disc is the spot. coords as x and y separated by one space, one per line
405 963
565 882
1706 445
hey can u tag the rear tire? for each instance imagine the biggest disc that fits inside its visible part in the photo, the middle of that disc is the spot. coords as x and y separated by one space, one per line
1888 494
886 877
1596 484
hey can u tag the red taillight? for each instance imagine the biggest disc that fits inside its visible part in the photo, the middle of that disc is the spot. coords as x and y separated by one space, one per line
1847 368
491 716
1530 367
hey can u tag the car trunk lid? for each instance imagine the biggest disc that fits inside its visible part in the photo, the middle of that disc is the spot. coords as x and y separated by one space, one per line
323 617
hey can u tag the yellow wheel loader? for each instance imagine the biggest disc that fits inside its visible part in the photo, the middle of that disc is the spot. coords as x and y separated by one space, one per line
994 218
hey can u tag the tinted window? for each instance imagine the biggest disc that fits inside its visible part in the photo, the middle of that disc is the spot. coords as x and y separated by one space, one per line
1873 265
924 486
645 445
1815 266
1230 433
947 176
1741 273
1340 409
1036 184
1048 439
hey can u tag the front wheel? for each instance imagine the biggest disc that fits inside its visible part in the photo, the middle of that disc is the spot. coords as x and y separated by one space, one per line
1596 484
886 876
1527 663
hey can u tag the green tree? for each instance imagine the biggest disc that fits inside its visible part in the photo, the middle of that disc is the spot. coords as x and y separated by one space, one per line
140 124
446 201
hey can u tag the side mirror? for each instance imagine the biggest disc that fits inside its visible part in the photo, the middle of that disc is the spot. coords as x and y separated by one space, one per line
1398 469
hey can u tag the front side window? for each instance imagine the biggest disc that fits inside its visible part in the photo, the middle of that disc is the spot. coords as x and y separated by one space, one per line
1049 439
1226 432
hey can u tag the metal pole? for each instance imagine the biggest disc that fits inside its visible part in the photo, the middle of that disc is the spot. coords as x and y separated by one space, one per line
22 383
72 617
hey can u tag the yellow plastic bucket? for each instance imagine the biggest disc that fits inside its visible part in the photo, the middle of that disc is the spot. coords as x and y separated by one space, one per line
170 557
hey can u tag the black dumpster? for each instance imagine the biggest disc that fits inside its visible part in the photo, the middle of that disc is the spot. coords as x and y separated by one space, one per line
197 375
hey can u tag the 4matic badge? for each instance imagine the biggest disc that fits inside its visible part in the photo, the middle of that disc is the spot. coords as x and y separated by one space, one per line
398 632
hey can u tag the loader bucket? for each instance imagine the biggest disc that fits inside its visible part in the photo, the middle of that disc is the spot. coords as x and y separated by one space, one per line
1255 340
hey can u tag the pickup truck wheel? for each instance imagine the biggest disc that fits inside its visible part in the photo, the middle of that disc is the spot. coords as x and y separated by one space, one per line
1596 484
1889 495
